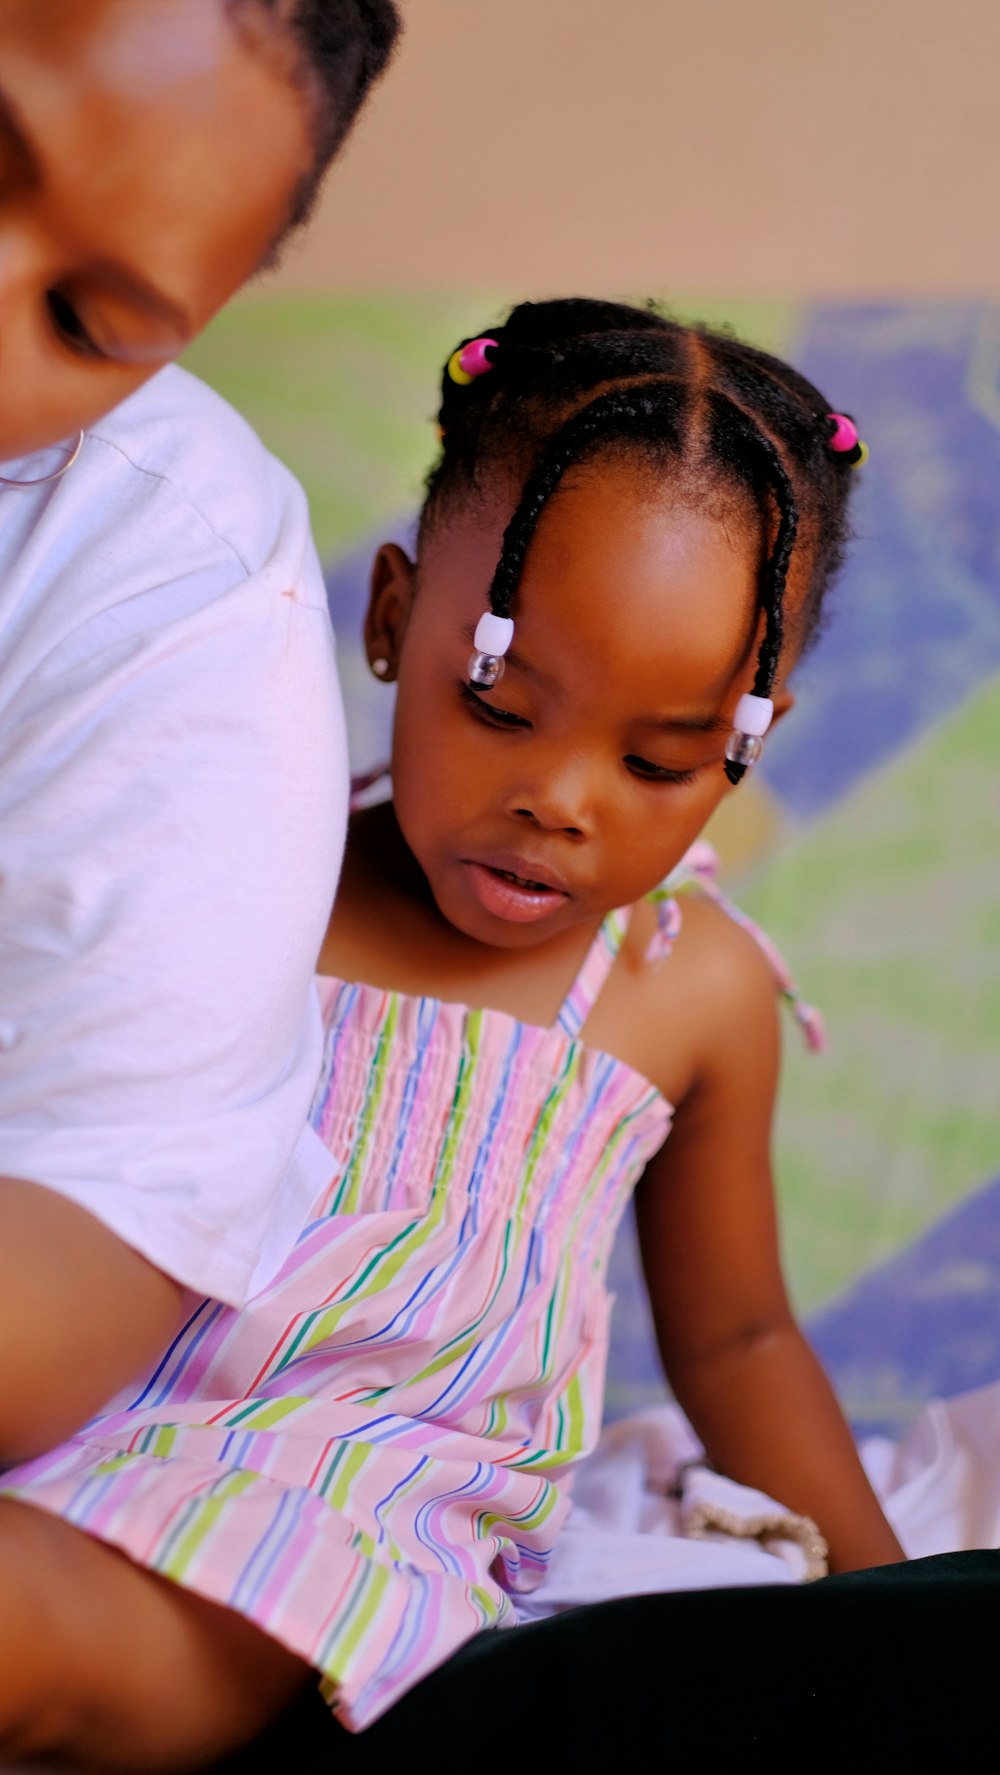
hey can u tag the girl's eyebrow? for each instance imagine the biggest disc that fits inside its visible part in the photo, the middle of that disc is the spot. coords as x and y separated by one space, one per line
714 723
513 658
710 723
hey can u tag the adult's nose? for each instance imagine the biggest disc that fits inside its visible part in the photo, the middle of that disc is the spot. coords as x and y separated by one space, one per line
21 270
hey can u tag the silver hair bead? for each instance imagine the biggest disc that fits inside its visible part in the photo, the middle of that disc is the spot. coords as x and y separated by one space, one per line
744 749
485 669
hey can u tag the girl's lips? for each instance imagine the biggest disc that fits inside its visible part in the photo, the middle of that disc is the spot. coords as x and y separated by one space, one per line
515 900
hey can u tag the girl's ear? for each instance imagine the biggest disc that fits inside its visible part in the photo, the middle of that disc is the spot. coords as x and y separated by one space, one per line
389 600
784 700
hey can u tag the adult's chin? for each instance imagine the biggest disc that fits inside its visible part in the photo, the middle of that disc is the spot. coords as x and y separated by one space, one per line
26 433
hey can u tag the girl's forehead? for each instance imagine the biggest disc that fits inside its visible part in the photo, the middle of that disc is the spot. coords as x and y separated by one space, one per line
625 580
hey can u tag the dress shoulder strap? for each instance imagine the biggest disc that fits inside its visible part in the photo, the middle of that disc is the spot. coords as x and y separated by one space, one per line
363 783
698 872
597 965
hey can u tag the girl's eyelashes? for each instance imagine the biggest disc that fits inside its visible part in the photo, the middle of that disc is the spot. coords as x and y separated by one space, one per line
487 712
658 773
69 327
504 719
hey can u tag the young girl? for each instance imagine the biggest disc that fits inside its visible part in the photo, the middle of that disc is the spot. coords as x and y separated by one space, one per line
165 666
624 548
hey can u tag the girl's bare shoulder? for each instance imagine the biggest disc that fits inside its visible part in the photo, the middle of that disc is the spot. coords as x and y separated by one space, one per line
719 958
681 1014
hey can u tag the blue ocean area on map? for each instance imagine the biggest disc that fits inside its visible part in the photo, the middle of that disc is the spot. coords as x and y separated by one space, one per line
915 618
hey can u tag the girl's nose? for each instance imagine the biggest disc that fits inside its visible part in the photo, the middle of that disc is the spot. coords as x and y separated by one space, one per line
549 824
555 806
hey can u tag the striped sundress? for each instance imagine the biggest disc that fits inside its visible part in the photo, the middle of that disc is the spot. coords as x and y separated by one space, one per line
369 1460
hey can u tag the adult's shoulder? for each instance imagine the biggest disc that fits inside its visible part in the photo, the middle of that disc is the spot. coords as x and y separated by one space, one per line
177 442
173 506
173 793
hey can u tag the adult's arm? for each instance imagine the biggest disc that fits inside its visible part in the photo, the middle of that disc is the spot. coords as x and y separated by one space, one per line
172 806
80 1313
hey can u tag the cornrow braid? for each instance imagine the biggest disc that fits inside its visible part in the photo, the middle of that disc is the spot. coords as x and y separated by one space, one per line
735 430
623 413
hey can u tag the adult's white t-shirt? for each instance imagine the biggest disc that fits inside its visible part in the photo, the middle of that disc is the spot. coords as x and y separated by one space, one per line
173 794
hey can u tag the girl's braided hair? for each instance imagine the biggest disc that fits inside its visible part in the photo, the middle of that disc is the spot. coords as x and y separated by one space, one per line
575 379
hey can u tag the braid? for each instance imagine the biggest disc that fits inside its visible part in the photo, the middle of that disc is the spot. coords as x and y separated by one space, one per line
624 413
737 436
777 578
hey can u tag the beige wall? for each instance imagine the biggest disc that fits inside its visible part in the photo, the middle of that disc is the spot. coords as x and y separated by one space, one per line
783 147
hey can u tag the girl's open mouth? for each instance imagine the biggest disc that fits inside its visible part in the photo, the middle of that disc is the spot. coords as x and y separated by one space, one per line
517 898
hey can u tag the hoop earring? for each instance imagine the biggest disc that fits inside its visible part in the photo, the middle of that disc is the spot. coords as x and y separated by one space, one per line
57 474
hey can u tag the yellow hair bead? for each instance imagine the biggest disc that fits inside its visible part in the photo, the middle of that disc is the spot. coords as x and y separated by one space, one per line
456 371
863 447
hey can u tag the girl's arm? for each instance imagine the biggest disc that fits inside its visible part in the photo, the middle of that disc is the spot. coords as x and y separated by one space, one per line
735 1358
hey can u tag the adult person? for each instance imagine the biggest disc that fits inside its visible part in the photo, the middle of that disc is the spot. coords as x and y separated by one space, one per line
170 724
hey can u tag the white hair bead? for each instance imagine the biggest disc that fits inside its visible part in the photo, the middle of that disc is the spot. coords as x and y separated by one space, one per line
494 634
753 715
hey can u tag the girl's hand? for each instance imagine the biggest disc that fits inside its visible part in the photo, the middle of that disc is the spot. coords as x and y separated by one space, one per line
736 1360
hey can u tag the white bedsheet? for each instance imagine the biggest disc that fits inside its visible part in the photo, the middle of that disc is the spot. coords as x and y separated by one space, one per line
648 1517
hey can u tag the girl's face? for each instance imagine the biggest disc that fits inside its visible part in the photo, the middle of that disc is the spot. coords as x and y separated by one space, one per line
148 153
579 782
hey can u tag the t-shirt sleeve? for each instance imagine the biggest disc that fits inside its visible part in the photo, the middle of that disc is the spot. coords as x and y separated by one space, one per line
173 784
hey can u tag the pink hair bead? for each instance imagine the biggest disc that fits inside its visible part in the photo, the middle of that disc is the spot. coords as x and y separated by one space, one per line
472 357
845 433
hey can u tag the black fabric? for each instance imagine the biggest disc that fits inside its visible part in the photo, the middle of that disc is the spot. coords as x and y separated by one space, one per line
884 1670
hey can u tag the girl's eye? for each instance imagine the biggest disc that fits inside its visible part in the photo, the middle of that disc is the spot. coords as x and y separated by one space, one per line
70 327
657 773
487 712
